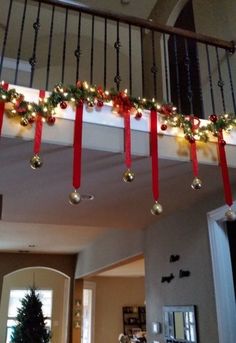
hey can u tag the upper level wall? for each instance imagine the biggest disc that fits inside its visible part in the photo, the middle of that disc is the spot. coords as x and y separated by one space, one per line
114 247
213 18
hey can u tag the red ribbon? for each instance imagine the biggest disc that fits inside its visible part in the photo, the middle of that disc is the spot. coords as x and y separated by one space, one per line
2 107
38 127
154 155
77 145
224 170
193 153
127 139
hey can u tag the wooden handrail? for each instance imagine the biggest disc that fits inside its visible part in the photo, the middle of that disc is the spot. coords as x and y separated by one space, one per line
220 43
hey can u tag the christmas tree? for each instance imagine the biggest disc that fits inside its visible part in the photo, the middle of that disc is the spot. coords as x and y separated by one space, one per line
31 326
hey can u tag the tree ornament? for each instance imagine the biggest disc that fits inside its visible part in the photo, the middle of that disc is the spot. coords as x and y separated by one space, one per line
138 115
156 209
74 197
63 105
89 106
196 184
36 162
222 142
163 127
51 120
128 176
24 121
31 120
99 105
190 138
230 215
213 118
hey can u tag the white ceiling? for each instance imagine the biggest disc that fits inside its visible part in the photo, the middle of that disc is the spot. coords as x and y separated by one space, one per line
38 200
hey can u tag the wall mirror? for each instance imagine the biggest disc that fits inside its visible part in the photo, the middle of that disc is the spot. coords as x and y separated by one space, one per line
180 324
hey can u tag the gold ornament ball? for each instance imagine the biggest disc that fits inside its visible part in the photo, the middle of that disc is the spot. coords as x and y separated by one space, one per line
36 162
128 176
230 215
24 121
74 198
156 209
196 184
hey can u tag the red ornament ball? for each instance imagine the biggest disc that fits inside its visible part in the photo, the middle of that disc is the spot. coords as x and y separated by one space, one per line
191 139
99 103
63 105
222 142
31 120
213 118
51 120
138 115
163 127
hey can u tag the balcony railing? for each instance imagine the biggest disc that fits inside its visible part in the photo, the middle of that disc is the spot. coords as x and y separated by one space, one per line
49 41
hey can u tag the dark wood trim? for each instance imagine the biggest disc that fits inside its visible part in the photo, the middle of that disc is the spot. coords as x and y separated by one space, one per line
230 46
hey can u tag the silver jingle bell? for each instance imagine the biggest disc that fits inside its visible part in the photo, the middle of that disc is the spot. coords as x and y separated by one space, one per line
156 209
196 184
128 176
74 198
36 162
230 215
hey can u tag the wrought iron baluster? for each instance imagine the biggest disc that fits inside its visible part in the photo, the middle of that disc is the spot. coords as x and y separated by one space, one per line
50 46
5 37
210 79
33 60
142 61
220 81
117 46
77 52
177 73
166 69
92 52
20 42
189 84
64 48
154 67
130 61
105 54
231 81
200 88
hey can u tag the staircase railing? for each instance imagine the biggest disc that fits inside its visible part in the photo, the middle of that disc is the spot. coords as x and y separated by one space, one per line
50 41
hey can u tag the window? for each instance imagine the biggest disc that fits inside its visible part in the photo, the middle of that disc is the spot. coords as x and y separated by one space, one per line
88 312
15 303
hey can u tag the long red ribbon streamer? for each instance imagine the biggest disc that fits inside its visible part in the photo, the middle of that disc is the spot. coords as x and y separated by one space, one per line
77 145
38 128
127 140
2 107
154 155
224 170
193 153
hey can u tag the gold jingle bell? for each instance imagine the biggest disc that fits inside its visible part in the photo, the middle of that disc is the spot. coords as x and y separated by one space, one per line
24 121
156 209
230 215
74 198
196 184
128 176
36 162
